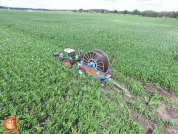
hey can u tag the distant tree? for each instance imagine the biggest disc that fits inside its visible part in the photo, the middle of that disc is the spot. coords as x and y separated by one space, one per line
85 10
172 14
120 12
160 14
136 12
81 10
154 14
102 11
177 14
163 14
129 12
115 11
143 13
125 12
150 13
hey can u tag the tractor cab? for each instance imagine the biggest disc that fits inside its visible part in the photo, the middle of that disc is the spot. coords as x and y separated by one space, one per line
69 53
68 56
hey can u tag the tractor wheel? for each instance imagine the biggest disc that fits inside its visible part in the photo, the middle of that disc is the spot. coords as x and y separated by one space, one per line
103 84
81 71
67 63
112 77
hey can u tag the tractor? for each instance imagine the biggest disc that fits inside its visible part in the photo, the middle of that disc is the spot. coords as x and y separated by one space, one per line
69 56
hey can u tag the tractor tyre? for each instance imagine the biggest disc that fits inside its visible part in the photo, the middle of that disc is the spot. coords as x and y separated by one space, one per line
81 71
103 84
67 63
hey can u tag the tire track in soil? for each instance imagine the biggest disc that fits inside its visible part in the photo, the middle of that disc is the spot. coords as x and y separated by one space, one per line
148 87
163 112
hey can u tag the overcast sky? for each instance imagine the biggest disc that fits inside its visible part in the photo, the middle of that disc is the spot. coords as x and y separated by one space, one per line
156 5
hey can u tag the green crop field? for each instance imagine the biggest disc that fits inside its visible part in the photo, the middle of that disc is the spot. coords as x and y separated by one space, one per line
47 97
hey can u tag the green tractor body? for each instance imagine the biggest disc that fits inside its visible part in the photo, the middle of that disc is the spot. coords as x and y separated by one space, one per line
68 56
71 55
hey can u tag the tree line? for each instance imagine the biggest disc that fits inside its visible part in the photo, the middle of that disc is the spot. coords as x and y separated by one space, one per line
35 9
148 13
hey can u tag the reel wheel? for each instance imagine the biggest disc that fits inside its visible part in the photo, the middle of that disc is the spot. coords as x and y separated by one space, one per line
97 59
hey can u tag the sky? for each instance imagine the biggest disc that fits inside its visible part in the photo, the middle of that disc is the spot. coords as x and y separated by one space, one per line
120 5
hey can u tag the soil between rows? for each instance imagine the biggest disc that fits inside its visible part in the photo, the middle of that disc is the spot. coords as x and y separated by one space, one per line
163 112
148 87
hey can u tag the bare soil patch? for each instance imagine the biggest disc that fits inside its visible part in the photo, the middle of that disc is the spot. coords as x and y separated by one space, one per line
163 112
147 124
106 88
169 131
148 87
